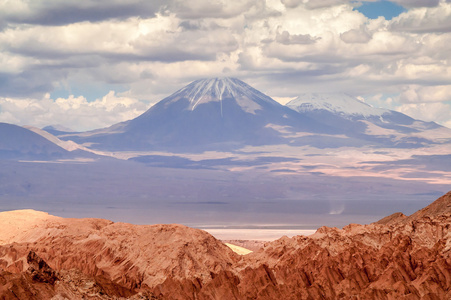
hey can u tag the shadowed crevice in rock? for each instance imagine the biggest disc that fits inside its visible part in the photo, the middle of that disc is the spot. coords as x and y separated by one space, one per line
39 269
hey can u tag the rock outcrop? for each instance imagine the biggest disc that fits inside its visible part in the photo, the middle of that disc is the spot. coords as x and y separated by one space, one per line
45 257
439 207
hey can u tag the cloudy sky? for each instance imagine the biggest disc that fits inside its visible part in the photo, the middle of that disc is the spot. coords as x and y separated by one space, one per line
92 63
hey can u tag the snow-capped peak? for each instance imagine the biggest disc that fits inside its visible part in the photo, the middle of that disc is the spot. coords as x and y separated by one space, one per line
336 103
218 89
214 89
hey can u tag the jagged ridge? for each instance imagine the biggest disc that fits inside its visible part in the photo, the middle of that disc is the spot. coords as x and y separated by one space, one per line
404 259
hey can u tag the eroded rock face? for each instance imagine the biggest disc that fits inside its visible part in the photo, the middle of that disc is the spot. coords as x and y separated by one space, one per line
397 257
40 281
39 270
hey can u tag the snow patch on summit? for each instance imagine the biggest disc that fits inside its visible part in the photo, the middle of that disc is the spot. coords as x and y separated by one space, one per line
336 103
218 89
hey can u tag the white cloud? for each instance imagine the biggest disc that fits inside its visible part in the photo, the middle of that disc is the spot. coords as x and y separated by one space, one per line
424 19
153 48
417 3
159 39
74 112
196 9
431 112
291 3
422 94
355 36
291 39
314 4
61 12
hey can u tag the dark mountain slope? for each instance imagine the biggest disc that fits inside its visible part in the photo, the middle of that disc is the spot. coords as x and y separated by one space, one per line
20 143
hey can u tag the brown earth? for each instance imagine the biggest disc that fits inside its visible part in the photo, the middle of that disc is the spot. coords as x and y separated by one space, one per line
399 257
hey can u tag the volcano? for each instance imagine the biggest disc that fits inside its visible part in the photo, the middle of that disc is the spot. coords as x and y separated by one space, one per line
226 114
208 114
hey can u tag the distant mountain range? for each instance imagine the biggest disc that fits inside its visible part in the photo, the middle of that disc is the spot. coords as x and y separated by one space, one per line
22 143
57 129
227 114
218 150
340 104
377 126
209 114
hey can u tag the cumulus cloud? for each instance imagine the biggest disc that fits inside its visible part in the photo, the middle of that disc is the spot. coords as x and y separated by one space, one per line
290 39
355 36
199 9
32 82
63 12
430 112
417 3
314 4
37 57
419 94
152 48
158 39
292 3
74 112
424 19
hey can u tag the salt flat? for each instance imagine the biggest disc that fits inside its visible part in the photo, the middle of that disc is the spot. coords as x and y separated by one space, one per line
256 234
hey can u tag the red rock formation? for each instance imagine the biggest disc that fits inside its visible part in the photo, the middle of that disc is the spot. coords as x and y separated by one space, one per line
40 281
397 257
252 245
439 207
392 219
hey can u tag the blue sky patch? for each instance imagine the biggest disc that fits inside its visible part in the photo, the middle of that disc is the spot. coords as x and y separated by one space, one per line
383 8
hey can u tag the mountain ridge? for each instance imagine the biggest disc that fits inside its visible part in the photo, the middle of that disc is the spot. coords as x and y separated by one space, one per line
17 142
226 114
208 114
340 103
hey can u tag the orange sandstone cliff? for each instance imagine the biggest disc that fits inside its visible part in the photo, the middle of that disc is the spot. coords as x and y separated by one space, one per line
399 257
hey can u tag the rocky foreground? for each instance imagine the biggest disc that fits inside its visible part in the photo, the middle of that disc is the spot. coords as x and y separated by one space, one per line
399 257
